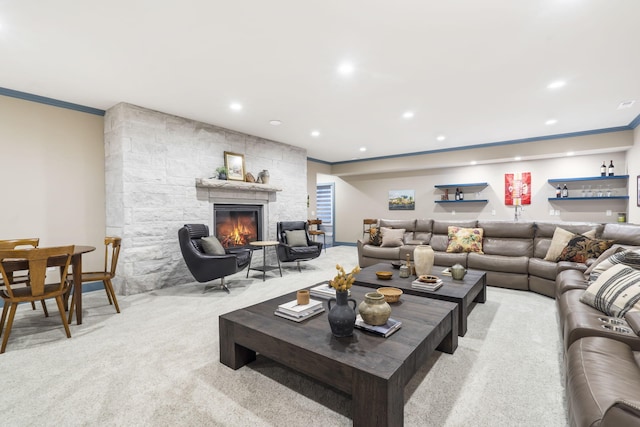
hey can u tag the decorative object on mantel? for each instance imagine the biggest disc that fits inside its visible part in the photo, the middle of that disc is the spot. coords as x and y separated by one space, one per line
249 177
222 172
235 166
342 317
263 176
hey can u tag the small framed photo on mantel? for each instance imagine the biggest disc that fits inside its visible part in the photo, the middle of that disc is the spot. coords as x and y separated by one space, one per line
235 166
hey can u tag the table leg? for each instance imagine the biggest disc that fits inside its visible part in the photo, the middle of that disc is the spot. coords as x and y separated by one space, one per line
377 401
76 265
450 341
232 355
250 259
264 263
277 258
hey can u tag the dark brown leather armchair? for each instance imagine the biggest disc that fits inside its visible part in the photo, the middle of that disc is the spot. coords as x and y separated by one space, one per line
289 253
205 267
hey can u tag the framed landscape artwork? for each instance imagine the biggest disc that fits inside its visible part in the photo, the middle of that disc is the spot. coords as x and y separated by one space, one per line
235 166
402 200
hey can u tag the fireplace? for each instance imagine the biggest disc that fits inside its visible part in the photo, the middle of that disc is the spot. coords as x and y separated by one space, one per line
235 225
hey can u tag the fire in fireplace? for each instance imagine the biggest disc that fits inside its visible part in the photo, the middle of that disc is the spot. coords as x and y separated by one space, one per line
237 225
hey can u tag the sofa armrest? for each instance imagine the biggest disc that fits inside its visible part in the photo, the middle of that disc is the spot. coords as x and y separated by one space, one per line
622 413
569 265
633 319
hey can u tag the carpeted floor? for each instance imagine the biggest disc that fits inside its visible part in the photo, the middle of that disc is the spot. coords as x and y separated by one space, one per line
156 364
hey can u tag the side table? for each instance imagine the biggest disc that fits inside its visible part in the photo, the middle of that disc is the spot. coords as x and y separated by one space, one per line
264 268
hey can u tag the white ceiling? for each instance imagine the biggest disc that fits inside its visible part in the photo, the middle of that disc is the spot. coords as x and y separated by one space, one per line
475 71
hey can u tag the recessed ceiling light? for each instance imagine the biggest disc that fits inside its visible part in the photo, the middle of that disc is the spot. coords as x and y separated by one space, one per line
626 104
570 153
517 158
440 138
363 149
235 106
557 84
551 122
408 115
315 133
346 68
473 162
275 122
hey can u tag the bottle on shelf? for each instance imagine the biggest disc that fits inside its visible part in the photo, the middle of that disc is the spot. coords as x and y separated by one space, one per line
565 191
461 195
603 169
558 191
457 194
611 168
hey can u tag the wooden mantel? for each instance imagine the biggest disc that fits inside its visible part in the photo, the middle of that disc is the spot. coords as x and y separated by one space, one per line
213 183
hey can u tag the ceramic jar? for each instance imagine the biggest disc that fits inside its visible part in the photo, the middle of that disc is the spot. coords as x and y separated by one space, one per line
423 259
458 272
342 317
374 309
264 176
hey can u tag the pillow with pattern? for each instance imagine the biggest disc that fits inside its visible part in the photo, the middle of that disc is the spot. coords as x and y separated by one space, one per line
628 257
464 239
616 292
375 238
581 248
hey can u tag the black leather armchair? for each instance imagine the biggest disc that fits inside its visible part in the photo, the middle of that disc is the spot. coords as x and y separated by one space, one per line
205 267
288 253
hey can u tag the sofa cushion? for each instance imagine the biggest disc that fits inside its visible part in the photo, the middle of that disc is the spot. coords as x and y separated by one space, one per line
628 257
507 247
581 248
541 268
505 264
296 238
464 239
378 252
560 239
212 246
625 234
605 255
392 237
375 238
615 292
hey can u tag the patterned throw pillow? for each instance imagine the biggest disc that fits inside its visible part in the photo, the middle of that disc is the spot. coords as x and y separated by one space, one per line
581 248
464 239
616 291
375 238
628 257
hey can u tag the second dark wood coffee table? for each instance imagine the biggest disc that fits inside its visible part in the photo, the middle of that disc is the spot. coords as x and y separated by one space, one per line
462 292
372 369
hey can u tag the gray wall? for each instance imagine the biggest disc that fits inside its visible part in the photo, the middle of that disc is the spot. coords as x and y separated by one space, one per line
152 160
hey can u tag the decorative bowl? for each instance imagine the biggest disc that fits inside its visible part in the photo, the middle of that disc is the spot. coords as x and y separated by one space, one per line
384 275
428 278
396 264
390 294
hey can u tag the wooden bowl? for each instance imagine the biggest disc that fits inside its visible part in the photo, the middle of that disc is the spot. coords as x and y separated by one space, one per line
384 275
390 294
428 278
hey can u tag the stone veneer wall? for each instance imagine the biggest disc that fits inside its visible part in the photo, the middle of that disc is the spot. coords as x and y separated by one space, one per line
152 161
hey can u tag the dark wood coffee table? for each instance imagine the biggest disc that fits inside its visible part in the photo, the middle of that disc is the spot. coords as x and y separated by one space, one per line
372 369
462 292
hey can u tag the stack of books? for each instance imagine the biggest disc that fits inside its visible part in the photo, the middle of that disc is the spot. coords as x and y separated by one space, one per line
324 291
417 284
297 312
385 330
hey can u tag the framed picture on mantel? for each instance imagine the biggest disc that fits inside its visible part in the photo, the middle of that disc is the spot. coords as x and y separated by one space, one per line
235 166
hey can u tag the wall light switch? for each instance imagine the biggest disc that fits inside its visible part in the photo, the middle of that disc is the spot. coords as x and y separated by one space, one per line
608 212
493 211
552 212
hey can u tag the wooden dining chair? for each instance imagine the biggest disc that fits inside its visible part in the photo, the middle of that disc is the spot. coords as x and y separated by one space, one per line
22 278
37 259
111 254
314 231
367 223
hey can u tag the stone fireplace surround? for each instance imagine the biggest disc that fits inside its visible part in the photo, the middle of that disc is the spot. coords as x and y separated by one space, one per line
156 169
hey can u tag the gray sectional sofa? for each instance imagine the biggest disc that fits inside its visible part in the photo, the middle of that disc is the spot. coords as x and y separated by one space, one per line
601 352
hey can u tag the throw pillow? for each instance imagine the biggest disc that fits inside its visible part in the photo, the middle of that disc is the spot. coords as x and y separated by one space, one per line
296 238
628 257
375 238
464 239
605 255
590 234
392 237
212 246
616 291
559 241
580 249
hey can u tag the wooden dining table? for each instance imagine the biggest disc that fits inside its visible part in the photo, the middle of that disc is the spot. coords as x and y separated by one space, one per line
76 268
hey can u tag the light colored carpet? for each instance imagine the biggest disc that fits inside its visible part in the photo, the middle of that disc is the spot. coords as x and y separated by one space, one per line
157 363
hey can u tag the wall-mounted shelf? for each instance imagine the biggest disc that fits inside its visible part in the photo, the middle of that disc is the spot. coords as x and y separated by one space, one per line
562 199
592 178
475 184
462 201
